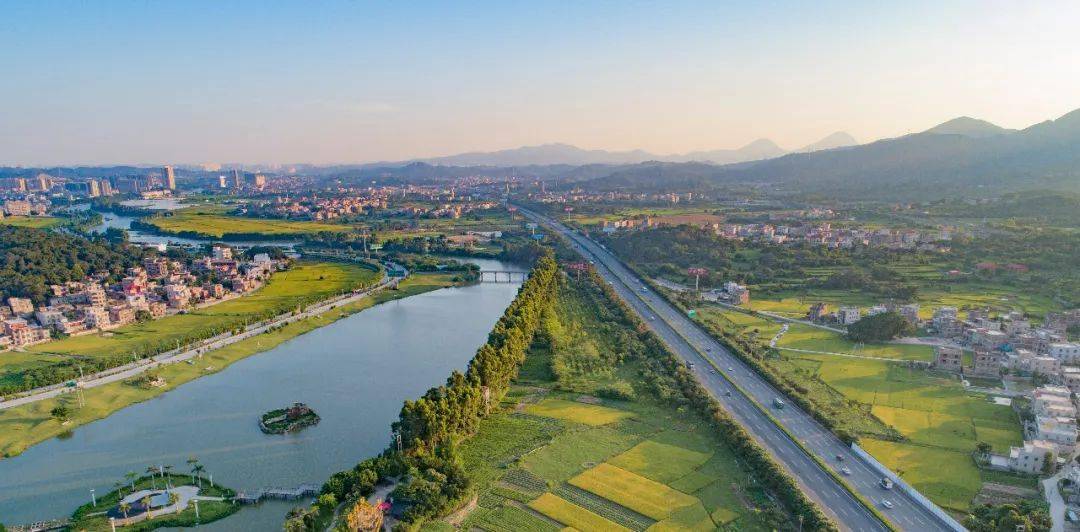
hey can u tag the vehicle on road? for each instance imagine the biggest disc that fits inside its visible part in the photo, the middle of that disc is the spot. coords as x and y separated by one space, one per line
730 368
708 350
727 393
690 365
644 289
778 403
886 503
845 470
886 483
839 458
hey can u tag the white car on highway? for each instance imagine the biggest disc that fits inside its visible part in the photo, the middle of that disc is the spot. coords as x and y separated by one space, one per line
886 503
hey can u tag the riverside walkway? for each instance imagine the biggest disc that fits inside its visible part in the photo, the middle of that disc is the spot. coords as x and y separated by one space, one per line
254 496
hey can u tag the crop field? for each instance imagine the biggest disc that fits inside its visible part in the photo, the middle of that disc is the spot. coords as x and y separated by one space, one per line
814 339
545 459
573 515
933 293
633 491
586 414
937 417
34 222
215 221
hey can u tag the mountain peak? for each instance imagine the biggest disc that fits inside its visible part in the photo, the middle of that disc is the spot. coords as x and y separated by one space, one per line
839 139
968 127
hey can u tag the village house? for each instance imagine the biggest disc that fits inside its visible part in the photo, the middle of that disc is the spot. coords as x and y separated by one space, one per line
1030 457
948 358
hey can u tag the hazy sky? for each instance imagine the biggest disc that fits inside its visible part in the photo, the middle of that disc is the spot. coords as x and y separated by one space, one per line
326 81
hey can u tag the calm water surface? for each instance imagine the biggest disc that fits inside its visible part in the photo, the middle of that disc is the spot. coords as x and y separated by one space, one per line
355 373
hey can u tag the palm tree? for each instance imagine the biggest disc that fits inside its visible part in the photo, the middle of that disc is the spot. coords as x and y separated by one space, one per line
197 470
119 486
130 476
146 504
152 470
168 471
124 508
193 462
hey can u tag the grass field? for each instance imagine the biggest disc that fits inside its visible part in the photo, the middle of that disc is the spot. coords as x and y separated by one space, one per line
305 280
933 293
23 426
214 221
35 222
546 460
587 414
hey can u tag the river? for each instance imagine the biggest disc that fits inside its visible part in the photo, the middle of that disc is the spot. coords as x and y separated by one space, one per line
111 219
355 373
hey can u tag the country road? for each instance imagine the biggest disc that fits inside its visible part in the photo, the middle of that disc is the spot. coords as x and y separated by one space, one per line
717 369
191 351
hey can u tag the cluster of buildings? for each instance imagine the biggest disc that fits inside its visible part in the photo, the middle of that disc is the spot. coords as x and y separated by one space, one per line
313 207
1009 343
29 206
1052 433
846 315
731 292
160 182
158 287
822 233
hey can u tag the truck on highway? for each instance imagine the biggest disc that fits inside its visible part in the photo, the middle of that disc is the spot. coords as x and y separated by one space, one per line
886 483
778 403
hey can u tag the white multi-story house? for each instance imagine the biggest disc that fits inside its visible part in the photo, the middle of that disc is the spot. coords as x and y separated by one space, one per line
848 315
1030 458
1067 353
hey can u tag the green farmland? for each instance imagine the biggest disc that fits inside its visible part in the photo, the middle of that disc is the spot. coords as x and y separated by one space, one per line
555 456
214 221
939 422
34 222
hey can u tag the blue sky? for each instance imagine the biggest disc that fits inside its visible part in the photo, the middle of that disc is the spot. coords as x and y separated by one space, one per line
349 81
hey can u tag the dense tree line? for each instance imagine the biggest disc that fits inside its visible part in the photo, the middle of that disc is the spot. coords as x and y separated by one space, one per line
456 407
33 259
429 426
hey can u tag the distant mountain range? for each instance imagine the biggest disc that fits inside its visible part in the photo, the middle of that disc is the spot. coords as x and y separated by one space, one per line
961 156
549 154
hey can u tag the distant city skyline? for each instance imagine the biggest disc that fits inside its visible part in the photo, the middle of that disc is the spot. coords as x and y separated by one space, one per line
355 82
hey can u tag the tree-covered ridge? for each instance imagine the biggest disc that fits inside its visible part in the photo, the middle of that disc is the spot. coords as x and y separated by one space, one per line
32 259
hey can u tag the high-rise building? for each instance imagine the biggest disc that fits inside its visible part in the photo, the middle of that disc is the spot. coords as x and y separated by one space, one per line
237 179
106 187
93 189
223 182
16 184
258 181
170 177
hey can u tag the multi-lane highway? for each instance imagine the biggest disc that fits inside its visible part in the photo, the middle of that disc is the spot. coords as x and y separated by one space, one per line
716 368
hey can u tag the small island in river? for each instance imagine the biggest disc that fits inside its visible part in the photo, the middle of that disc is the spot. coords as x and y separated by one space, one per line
291 419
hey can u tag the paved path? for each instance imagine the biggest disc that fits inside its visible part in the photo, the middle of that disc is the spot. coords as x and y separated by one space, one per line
1057 504
189 352
749 404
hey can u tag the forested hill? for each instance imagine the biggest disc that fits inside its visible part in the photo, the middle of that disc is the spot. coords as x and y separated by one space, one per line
32 259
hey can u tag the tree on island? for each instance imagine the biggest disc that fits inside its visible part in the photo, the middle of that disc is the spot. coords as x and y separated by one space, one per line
131 476
879 328
125 508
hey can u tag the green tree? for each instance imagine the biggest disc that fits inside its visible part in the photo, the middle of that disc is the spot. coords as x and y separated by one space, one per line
879 328
61 413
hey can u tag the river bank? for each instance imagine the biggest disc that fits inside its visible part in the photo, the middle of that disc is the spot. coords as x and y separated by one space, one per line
24 426
355 372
